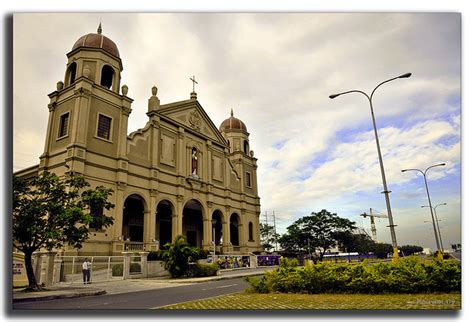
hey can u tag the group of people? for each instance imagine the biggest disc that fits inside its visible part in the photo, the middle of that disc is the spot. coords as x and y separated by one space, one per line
227 262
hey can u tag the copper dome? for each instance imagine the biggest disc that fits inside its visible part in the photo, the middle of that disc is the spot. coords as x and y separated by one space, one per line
97 41
232 123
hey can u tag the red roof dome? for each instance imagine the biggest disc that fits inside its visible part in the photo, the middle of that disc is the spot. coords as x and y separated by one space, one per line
232 123
97 41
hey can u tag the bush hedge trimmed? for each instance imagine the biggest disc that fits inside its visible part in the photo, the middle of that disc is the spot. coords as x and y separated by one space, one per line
410 275
202 270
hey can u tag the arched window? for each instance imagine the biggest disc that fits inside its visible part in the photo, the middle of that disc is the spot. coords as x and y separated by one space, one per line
71 74
107 76
246 147
250 231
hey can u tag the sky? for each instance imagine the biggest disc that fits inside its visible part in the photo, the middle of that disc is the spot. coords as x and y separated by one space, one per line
276 71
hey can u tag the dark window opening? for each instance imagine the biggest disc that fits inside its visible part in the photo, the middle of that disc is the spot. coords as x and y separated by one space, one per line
107 76
103 127
246 148
72 73
250 231
248 180
234 230
63 125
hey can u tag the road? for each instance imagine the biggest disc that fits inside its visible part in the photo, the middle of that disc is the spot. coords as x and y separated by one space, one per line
150 299
457 255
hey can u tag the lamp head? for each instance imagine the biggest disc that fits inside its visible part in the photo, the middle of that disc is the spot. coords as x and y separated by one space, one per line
405 75
333 96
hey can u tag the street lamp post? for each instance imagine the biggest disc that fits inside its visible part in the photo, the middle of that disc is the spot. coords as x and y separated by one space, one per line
437 222
440 253
382 170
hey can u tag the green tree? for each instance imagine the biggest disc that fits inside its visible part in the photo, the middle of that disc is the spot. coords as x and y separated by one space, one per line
319 230
268 237
50 212
408 250
177 256
350 242
381 250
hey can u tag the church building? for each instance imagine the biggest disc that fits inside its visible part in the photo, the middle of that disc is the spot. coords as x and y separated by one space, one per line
178 175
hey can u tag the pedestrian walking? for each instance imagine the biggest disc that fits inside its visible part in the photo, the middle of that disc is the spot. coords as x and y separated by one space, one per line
86 271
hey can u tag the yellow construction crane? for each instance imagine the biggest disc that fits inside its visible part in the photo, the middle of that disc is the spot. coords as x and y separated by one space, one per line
372 215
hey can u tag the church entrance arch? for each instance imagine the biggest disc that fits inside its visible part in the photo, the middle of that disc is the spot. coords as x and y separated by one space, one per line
133 214
217 227
193 223
164 214
234 229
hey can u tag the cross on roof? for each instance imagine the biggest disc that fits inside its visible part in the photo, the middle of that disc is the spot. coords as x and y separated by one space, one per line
194 82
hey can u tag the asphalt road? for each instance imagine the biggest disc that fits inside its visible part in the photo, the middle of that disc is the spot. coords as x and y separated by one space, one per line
457 255
151 299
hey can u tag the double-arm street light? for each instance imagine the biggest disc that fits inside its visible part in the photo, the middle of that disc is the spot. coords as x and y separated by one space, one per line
437 222
382 170
440 252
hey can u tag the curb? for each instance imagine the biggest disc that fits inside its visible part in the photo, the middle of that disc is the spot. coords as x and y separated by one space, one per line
58 296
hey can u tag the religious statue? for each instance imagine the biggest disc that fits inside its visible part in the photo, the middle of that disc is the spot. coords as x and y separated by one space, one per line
194 163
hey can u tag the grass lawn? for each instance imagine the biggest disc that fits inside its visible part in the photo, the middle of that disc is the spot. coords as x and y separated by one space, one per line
251 301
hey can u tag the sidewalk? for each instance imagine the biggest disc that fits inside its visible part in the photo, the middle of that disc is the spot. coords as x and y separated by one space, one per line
67 290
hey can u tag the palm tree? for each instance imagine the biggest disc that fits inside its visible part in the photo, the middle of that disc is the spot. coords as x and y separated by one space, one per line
177 255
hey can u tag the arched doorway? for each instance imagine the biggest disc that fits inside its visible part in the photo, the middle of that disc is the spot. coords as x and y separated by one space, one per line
133 213
234 229
192 223
217 227
164 213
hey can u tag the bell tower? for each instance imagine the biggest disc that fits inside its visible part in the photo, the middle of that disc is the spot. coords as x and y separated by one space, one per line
235 132
88 116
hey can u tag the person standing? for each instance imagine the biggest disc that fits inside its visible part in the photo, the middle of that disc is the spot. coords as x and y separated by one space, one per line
86 271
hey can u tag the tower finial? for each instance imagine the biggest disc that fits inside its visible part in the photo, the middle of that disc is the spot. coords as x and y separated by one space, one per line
232 112
99 30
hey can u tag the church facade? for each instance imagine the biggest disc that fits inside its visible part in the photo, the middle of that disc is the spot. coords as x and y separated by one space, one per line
178 175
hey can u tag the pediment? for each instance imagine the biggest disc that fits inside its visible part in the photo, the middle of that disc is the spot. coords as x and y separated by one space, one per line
191 115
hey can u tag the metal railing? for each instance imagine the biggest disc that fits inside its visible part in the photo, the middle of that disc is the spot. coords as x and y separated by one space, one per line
103 268
134 246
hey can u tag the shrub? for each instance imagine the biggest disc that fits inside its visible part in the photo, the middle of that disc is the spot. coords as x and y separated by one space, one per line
177 256
202 270
203 254
155 255
410 275
117 270
258 284
135 268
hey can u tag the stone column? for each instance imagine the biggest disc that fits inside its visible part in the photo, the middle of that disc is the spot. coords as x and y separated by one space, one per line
177 219
144 263
119 203
181 153
47 268
57 270
207 230
152 219
206 227
226 231
146 228
127 258
37 262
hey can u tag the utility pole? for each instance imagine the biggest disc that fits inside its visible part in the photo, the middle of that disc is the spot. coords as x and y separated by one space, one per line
275 230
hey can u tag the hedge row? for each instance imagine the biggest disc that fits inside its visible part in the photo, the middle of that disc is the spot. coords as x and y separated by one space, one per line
410 275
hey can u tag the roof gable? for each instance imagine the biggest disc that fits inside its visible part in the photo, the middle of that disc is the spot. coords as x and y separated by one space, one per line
191 115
